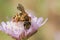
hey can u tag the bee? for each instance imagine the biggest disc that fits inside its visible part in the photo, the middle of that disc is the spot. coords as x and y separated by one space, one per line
22 17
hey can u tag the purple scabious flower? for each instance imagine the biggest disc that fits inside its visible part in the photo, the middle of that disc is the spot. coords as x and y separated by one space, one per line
17 31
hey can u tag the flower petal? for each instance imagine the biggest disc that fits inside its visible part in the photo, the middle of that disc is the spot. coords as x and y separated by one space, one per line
3 26
44 22
34 19
0 28
40 20
30 13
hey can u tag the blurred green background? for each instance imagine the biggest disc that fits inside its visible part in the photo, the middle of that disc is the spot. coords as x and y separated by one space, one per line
40 7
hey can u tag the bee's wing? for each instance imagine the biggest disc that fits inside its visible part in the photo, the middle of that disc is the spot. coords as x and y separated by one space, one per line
30 13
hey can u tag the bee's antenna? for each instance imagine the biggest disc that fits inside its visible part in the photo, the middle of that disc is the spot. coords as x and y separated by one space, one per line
21 8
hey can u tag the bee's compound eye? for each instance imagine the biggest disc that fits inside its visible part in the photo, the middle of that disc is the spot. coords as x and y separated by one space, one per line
27 24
